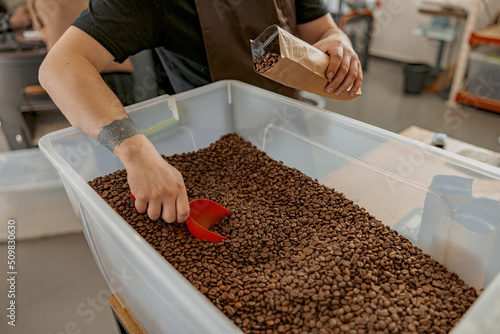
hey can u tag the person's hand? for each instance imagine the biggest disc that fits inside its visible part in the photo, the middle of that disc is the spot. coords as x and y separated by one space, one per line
158 187
21 19
344 70
42 34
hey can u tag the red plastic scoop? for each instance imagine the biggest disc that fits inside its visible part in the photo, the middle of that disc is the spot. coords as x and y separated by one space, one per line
204 214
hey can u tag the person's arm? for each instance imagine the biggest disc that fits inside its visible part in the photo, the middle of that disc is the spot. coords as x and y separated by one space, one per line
36 21
70 74
21 19
344 70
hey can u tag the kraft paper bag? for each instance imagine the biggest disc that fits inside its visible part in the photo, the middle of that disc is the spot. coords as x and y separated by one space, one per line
302 66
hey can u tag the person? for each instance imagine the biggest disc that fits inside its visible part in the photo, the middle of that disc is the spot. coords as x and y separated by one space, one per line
10 22
202 41
52 18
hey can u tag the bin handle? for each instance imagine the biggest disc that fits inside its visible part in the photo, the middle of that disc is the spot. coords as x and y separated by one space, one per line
165 123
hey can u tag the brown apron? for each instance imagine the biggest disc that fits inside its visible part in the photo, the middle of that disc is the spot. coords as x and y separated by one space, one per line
228 26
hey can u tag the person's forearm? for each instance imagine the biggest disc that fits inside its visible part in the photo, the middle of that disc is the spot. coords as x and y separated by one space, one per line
21 19
70 74
89 105
333 31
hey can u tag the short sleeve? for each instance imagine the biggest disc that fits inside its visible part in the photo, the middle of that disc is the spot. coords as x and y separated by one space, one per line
310 10
123 27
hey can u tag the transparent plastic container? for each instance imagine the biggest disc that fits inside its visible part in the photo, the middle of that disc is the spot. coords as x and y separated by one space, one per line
435 198
32 194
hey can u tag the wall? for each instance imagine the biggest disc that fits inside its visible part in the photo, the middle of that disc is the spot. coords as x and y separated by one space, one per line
394 22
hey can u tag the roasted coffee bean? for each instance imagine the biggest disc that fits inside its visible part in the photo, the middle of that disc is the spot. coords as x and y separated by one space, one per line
265 62
286 267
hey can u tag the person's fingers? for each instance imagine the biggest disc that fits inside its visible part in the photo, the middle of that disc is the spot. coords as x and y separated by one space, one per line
357 83
169 210
158 191
182 204
154 208
351 76
141 204
336 57
341 73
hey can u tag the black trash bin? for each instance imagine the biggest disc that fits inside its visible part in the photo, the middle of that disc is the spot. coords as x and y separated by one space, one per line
415 75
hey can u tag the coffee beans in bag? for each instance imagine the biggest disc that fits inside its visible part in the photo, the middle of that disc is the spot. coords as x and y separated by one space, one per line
284 58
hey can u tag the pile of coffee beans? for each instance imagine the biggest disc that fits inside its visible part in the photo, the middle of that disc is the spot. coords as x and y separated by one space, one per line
265 62
301 257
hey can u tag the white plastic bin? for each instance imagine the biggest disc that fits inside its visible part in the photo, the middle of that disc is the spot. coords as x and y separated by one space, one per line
437 199
32 194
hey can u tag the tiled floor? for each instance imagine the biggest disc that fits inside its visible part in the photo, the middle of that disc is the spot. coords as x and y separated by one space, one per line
59 283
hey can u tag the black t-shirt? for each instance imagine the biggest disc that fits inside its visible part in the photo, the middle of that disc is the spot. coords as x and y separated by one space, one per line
170 26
